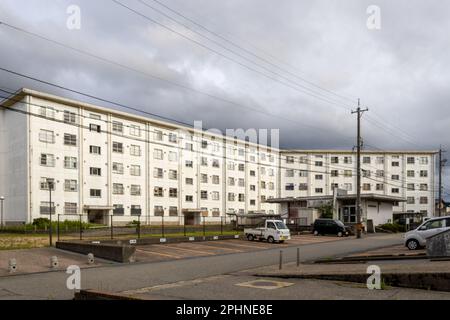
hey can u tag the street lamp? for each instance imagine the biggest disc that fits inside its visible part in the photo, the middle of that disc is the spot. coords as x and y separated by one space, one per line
1 200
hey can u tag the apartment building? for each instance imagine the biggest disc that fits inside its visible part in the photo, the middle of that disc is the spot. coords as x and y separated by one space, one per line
100 163
406 174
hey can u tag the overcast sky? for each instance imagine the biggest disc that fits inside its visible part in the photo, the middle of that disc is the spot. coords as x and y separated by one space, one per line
401 72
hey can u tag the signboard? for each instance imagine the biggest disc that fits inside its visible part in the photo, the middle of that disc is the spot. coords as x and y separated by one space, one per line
133 241
163 240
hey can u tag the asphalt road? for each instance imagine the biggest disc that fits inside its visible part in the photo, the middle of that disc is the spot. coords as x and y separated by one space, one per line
118 278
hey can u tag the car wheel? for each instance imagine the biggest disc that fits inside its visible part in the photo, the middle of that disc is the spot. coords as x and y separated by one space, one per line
340 234
250 237
270 240
412 244
316 233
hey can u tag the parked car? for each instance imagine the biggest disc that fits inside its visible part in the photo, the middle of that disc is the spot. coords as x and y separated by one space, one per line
417 238
270 230
330 226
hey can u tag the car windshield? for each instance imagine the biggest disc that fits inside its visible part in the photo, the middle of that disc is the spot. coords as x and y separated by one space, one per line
280 225
339 223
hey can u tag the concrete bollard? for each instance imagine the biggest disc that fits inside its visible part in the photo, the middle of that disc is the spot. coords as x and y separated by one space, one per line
12 265
54 263
91 258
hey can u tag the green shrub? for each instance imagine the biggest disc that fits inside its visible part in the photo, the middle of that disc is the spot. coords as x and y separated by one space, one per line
392 227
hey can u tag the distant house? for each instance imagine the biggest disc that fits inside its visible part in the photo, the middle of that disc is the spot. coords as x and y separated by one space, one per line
444 206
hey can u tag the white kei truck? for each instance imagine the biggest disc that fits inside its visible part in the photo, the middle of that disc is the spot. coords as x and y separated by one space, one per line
270 230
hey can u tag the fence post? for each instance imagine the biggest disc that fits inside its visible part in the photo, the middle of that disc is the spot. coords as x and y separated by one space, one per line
162 226
184 226
57 227
112 228
298 257
281 260
139 227
221 226
204 226
81 227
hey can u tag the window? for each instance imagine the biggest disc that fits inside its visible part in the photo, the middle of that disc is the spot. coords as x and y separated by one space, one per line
158 173
252 202
189 164
319 190
303 187
70 186
241 182
47 183
410 160
380 174
303 174
395 177
348 173
159 211
411 187
289 173
173 174
158 154
252 187
118 188
95 171
380 160
45 207
423 200
117 168
135 150
158 192
348 160
135 170
252 173
289 159
334 186
216 163
366 173
241 197
70 139
95 128
204 195
410 173
95 193
231 197
231 166
423 187
204 178
47 160
189 147
263 185
70 163
95 116
395 164
135 190
271 172
117 127
231 182
173 138
173 156
289 187
47 112
46 136
366 160
136 210
241 167
215 196
380 187
334 173
366 187
334 160
319 163
95 150
190 181
189 198
70 208
70 117
173 211
395 190
410 200
135 131
118 210
204 144
319 177
158 135
117 147
215 180
423 160
348 186
423 173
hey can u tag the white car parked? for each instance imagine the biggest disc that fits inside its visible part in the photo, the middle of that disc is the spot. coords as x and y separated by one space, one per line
417 238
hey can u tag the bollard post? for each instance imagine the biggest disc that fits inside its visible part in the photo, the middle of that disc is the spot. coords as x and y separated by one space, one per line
298 257
281 260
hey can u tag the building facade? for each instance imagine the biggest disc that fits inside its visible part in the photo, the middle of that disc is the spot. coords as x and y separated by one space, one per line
405 174
99 163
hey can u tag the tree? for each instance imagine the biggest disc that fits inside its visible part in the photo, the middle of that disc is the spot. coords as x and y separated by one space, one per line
326 211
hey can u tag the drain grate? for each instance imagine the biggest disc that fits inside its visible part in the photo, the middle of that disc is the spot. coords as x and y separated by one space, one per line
265 284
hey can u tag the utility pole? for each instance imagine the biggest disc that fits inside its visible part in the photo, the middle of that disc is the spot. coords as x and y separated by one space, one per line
359 113
441 165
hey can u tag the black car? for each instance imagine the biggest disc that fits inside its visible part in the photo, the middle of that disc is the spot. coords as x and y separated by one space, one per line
330 226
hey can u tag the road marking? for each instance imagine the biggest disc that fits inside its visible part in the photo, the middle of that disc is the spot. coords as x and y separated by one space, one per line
249 246
174 285
161 254
265 284
192 250
220 248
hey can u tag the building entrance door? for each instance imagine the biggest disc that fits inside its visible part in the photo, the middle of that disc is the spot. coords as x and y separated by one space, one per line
98 216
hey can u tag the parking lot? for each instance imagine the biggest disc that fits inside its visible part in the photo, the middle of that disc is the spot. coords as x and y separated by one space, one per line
176 251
